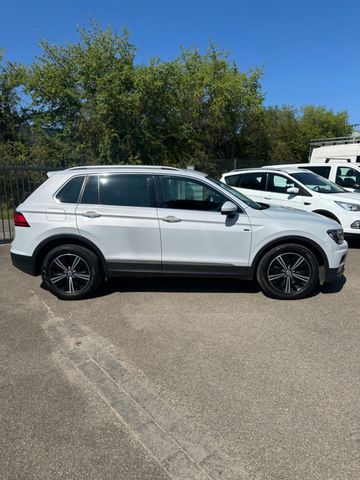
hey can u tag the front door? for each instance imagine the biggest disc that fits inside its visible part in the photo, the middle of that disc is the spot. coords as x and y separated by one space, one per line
276 192
195 237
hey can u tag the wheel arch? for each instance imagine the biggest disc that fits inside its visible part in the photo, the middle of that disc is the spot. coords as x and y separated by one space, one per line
327 214
298 240
57 240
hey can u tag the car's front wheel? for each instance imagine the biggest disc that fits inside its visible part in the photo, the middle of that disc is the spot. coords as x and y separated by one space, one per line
288 272
71 272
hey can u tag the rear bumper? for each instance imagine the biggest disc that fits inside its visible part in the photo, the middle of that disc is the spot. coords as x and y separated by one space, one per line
24 263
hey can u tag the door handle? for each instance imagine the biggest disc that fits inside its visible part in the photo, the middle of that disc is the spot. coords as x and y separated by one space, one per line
268 198
90 214
170 219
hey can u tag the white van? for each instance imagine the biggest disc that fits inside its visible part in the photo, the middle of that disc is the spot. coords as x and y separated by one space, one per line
348 152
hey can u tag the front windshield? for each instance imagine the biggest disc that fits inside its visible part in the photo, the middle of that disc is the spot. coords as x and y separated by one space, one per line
317 183
237 194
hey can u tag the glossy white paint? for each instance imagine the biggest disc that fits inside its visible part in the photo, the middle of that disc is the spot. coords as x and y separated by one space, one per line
349 151
122 233
315 201
205 237
339 172
134 234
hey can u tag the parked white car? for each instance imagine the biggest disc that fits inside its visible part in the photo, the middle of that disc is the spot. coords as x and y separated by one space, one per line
342 173
301 189
86 224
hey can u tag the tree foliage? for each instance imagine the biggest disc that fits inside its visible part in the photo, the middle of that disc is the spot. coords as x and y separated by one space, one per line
92 103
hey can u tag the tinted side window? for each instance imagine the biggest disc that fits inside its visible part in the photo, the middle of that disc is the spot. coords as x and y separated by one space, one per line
124 190
253 180
232 180
279 183
70 192
189 194
347 176
91 191
323 171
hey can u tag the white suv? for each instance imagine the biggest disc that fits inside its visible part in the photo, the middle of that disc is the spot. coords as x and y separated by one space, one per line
90 223
346 175
298 188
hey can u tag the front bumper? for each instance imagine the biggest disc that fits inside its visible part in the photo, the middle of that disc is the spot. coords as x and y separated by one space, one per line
333 274
24 263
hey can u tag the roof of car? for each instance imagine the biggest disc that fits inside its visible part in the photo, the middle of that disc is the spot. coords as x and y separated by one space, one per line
277 168
129 168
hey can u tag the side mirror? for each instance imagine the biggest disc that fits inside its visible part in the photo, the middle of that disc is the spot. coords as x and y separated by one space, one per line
229 209
293 190
356 186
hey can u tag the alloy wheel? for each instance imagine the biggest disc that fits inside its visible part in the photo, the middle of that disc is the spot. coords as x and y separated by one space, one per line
69 273
289 272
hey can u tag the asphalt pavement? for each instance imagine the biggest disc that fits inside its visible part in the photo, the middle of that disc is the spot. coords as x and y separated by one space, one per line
178 378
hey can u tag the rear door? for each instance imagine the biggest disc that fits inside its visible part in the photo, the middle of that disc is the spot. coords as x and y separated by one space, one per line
253 185
117 213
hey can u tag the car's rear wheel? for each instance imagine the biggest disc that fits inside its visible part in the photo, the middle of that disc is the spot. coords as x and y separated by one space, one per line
71 272
288 272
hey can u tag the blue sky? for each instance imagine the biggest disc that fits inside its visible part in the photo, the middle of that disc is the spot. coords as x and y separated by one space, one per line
309 49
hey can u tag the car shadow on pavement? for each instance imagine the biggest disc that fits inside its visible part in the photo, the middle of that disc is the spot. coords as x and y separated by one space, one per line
354 243
181 285
333 287
194 285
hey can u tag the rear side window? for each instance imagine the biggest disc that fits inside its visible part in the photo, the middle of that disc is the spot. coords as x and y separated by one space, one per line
322 171
70 192
253 180
91 190
232 180
118 190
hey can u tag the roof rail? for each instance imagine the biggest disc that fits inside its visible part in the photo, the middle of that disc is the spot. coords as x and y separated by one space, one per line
321 142
274 167
338 159
107 167
250 169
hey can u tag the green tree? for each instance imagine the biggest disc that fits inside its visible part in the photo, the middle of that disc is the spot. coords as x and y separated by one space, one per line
92 103
190 109
289 131
12 116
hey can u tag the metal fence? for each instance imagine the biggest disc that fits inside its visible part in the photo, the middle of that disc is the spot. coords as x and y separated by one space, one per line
16 183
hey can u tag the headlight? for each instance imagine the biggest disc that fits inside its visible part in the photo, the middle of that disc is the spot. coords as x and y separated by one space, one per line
352 207
337 235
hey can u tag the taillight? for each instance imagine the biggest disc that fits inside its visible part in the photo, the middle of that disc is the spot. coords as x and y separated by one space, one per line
20 220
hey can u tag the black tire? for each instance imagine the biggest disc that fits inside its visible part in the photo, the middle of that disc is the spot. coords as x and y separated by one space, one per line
71 272
279 279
